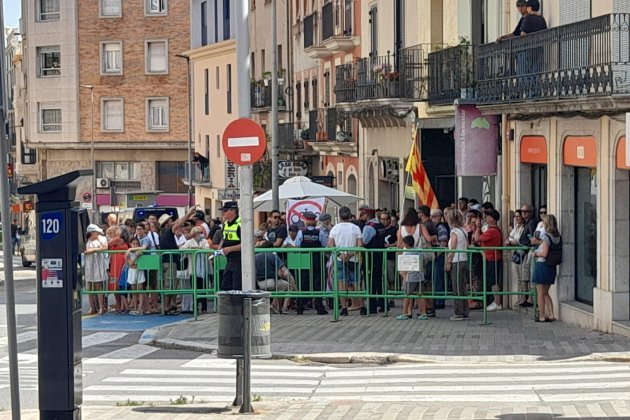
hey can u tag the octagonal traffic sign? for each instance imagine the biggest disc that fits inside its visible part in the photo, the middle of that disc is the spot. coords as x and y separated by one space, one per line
244 141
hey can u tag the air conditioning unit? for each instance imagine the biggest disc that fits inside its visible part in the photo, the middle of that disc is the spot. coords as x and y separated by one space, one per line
343 136
102 183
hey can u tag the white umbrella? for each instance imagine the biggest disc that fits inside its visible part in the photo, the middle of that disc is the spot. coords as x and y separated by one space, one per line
302 187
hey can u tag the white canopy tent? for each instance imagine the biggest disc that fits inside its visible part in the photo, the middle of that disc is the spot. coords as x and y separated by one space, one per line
300 187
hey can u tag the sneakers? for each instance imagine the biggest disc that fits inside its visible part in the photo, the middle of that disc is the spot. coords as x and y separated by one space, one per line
344 312
422 317
363 311
494 307
403 317
431 313
458 318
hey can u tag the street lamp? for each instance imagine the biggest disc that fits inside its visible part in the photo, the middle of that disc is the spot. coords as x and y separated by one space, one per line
190 117
91 87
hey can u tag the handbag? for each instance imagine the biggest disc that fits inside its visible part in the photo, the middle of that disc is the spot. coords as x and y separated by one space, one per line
122 280
518 257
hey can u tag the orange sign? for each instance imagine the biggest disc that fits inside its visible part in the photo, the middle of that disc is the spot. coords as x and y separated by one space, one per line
580 151
15 208
534 150
621 154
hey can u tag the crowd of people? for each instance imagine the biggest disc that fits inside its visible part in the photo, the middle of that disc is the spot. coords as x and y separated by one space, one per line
458 227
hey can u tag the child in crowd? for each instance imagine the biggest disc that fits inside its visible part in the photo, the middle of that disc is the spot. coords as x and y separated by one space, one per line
135 277
412 283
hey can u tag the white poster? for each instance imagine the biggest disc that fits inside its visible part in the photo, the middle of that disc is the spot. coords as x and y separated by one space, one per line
295 208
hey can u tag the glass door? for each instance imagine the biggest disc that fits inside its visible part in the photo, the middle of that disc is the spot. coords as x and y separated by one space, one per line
539 186
585 234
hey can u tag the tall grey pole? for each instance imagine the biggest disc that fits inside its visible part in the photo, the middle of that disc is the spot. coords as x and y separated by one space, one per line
275 179
190 135
9 289
94 211
246 172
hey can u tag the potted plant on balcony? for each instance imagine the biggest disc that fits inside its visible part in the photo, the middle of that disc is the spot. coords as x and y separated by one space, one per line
381 70
266 77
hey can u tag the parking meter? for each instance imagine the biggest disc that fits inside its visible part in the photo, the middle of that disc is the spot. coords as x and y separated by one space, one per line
60 230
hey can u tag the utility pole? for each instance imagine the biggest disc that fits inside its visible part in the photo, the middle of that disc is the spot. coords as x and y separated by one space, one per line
275 179
246 172
190 130
9 290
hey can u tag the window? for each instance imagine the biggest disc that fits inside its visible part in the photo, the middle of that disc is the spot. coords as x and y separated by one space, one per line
170 177
157 58
216 20
229 88
279 57
226 19
49 61
327 88
373 31
112 118
253 76
157 114
29 156
218 146
119 171
306 96
111 57
156 7
262 61
217 77
111 8
48 10
206 92
315 102
50 119
204 23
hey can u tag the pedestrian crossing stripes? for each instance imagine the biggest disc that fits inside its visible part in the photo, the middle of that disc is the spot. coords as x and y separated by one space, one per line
209 379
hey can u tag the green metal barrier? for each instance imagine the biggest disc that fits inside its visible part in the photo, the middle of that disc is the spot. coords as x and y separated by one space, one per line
313 273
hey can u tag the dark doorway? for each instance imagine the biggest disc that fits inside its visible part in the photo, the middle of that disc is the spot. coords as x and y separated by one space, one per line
438 157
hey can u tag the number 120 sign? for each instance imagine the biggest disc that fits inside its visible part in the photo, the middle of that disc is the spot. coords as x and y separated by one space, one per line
51 225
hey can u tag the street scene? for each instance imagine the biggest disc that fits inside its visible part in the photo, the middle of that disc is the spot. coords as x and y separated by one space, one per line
399 209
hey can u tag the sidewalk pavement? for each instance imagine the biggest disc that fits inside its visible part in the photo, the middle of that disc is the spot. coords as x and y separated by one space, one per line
354 410
510 337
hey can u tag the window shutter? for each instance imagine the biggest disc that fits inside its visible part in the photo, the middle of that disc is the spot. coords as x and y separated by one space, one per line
574 11
621 6
373 32
157 56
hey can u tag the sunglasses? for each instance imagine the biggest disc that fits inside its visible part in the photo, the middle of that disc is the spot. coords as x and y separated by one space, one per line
542 212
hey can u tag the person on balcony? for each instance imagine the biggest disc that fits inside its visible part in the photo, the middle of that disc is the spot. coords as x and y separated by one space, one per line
202 162
533 21
521 6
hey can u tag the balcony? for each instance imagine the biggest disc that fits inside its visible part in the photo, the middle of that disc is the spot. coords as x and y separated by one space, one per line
450 75
330 31
402 76
585 59
199 177
336 137
261 96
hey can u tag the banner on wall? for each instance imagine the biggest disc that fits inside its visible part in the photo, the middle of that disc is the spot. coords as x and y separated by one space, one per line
476 139
295 208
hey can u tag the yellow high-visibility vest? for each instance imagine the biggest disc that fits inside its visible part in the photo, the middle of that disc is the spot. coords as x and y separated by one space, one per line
230 232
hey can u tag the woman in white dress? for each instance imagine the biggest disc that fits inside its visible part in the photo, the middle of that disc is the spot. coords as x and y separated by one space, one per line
96 267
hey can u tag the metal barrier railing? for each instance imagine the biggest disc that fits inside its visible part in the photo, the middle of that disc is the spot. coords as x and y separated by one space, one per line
320 273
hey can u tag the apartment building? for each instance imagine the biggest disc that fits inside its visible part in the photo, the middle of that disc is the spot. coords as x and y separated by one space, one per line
566 125
107 91
331 36
212 54
12 53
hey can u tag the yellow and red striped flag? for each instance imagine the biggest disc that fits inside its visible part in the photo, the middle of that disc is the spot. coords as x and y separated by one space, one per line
419 177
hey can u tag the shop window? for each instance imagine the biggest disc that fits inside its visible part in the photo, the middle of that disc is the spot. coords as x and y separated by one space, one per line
585 233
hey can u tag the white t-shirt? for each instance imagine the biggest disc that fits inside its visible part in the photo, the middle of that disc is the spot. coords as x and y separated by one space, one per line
462 243
345 235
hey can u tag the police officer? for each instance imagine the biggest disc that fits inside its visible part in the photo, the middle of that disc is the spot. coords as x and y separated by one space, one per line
311 237
374 238
231 247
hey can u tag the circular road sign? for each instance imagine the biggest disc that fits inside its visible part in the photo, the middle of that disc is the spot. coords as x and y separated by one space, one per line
244 141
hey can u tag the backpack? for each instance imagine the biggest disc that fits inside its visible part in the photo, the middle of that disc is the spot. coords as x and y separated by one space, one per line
554 255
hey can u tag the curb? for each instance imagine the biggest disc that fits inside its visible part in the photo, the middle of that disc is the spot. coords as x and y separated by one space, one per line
392 358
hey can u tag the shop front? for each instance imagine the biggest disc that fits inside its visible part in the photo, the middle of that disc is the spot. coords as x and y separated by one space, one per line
534 161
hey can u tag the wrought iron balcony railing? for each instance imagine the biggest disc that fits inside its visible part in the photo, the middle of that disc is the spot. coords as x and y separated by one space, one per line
393 76
261 95
450 74
583 59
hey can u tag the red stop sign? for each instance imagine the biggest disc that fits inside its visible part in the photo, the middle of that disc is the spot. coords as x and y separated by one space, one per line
244 141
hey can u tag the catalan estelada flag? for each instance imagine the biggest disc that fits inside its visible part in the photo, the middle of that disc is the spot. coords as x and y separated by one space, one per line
419 177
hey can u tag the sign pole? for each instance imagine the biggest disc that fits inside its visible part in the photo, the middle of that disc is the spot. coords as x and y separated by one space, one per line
9 290
275 180
246 174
